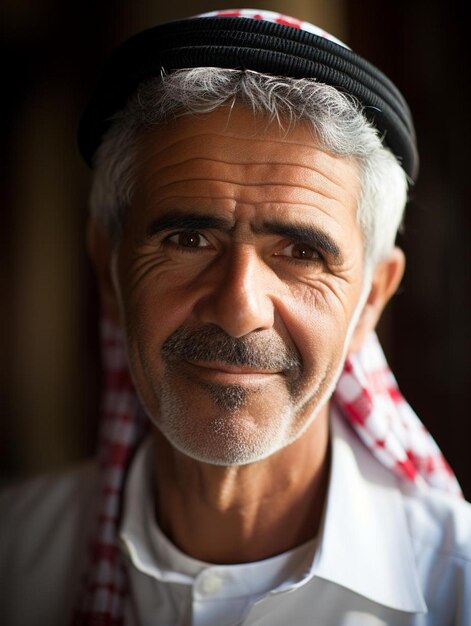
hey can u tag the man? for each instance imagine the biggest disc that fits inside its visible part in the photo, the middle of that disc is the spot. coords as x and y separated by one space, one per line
258 464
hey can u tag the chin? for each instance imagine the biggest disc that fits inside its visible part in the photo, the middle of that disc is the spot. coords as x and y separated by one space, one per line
225 426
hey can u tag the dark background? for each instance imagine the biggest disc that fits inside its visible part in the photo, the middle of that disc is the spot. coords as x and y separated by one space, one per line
52 53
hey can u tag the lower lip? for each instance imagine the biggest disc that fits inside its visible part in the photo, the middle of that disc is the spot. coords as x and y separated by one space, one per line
228 377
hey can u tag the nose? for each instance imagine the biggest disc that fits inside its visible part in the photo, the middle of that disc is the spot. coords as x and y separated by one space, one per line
238 295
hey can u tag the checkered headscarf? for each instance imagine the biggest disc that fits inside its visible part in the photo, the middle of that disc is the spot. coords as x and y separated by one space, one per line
366 394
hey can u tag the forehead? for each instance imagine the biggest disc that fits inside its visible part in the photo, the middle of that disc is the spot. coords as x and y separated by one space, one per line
232 158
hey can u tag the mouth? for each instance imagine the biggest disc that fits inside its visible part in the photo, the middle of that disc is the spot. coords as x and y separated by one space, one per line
222 373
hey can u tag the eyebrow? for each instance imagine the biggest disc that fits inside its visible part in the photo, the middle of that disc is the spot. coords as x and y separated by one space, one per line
313 236
187 221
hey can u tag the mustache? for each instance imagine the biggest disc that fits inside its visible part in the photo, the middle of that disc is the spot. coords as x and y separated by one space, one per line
265 349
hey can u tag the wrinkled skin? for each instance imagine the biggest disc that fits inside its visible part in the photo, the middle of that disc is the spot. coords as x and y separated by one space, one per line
238 282
241 276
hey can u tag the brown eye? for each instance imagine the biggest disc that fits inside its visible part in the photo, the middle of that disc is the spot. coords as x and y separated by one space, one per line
189 240
303 251
300 252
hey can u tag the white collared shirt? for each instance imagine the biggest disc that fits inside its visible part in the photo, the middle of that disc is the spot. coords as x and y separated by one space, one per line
182 590
388 553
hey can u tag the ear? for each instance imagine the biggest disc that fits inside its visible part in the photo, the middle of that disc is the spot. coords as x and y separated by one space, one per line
386 278
100 248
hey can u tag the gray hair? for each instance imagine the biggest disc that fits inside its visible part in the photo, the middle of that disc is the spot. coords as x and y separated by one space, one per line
336 120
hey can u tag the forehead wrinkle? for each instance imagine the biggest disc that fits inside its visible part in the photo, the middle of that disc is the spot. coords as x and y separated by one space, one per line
273 205
258 164
333 205
234 183
151 137
312 153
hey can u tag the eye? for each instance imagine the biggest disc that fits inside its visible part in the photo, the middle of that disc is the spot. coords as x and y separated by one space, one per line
301 252
188 239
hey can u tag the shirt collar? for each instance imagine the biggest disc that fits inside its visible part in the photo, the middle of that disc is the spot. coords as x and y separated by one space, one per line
153 554
363 529
365 542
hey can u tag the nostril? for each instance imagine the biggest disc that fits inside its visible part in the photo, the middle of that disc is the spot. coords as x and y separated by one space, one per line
237 314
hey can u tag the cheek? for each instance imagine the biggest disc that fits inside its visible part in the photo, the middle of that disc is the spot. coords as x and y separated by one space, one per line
317 320
155 315
153 311
153 280
154 305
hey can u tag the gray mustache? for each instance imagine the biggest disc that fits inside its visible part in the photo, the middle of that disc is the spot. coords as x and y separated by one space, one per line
259 350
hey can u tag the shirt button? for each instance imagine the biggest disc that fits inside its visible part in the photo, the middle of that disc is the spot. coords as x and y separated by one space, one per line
210 583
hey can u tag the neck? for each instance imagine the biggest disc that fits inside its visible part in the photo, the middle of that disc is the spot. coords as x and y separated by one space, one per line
243 513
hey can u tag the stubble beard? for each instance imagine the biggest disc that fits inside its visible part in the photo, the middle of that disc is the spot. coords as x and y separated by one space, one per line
227 424
227 433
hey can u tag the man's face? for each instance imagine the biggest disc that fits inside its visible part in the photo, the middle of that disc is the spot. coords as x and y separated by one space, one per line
237 277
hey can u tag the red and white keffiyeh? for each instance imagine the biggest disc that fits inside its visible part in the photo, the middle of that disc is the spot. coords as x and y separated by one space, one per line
366 394
369 398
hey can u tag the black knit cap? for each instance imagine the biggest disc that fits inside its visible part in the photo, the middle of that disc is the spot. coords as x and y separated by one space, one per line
249 44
